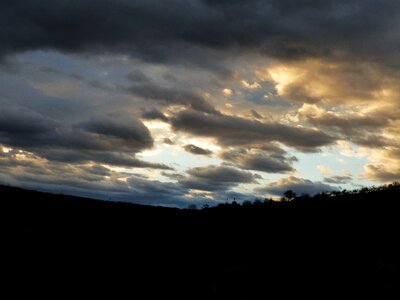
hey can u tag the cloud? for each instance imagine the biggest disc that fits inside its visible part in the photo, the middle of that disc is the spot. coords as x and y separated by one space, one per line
90 71
173 176
338 179
110 139
159 30
169 96
327 81
154 189
233 131
347 123
137 76
154 114
256 115
123 130
382 173
259 160
197 150
89 180
22 127
362 128
216 178
298 185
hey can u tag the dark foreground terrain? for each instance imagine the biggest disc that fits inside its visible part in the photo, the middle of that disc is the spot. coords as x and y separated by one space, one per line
341 246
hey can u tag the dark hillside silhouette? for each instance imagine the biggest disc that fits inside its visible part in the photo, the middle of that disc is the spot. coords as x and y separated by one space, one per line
341 244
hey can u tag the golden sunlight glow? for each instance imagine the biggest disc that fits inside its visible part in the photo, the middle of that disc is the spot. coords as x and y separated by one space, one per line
20 156
283 76
5 149
250 86
193 193
349 150
228 105
227 92
152 152
315 80
155 124
123 179
324 170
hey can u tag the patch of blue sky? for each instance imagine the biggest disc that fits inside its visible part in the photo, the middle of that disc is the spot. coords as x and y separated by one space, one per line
332 159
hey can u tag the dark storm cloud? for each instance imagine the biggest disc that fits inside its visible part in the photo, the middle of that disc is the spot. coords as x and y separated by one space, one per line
137 76
122 128
169 96
197 150
23 127
160 29
154 114
232 131
109 157
92 83
216 178
297 185
109 139
269 162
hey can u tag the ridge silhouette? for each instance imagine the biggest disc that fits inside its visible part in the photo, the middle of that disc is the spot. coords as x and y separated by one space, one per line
341 244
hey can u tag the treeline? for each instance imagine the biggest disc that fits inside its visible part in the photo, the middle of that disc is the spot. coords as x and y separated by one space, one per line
384 192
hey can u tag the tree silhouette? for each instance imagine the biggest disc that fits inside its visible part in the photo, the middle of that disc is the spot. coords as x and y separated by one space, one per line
289 195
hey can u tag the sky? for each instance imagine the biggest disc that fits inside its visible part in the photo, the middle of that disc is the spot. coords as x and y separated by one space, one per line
181 102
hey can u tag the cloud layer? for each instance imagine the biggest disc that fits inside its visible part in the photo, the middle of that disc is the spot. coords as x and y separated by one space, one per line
194 100
283 29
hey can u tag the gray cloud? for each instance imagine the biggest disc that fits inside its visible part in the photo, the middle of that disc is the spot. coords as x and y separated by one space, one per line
232 131
169 96
173 176
110 157
197 150
110 139
154 188
216 178
89 180
364 130
137 76
259 160
122 129
298 185
154 114
20 126
158 30
338 179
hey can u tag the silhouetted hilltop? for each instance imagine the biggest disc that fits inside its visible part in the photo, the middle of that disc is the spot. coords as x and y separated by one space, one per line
342 244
